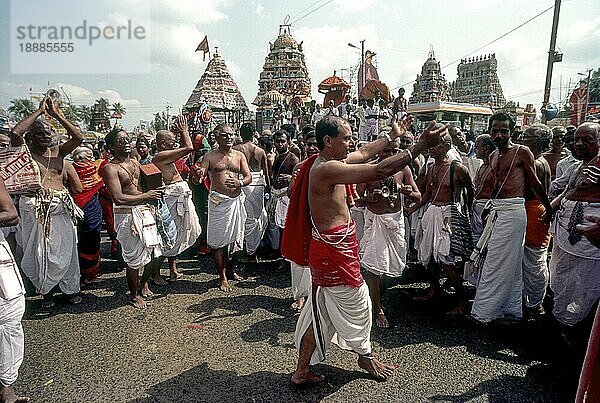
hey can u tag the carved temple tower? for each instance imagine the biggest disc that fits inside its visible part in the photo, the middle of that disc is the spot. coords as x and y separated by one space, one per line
430 85
477 82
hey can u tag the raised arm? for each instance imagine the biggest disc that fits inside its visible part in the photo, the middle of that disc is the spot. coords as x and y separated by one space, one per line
17 132
369 151
185 146
75 136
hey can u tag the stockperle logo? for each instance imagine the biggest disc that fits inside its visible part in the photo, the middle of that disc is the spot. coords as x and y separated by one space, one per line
80 37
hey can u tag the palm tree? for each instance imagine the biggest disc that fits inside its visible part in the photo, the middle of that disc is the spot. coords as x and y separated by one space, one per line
71 112
21 108
102 105
119 109
85 114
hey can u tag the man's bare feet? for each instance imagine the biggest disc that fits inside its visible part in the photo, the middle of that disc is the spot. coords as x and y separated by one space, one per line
306 380
89 281
381 321
225 286
138 302
379 370
8 395
234 276
75 299
158 280
175 276
48 301
145 291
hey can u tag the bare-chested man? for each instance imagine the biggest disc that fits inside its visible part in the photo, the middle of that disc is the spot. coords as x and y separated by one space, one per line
135 222
537 237
433 235
499 252
12 307
178 195
383 245
229 173
283 168
340 299
49 245
256 221
575 262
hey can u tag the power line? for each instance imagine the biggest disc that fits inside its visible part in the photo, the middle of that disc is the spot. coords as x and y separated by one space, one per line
305 9
310 12
489 43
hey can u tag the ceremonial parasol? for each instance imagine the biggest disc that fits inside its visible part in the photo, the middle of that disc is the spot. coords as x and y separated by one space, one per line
334 88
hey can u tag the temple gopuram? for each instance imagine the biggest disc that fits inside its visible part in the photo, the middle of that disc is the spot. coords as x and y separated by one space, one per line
218 92
284 79
477 82
430 85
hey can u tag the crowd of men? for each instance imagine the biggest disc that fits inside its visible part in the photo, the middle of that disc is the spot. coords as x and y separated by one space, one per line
512 215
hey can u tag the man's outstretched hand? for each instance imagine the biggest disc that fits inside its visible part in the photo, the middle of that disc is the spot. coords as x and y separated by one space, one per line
432 137
400 126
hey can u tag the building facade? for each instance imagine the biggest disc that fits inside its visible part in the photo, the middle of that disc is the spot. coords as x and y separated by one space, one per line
477 82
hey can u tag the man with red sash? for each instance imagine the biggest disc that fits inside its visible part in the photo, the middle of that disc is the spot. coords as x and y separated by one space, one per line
320 232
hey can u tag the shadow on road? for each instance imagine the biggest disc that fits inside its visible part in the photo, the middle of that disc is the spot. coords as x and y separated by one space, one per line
203 384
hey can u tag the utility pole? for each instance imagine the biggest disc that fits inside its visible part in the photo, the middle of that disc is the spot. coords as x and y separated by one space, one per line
362 61
168 107
587 96
553 57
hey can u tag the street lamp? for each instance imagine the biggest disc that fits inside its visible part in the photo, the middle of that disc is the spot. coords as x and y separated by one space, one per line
362 80
587 93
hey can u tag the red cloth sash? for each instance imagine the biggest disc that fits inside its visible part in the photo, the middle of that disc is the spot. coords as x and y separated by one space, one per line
296 238
335 262
90 180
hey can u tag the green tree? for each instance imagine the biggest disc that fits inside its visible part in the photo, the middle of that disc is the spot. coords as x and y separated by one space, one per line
159 122
85 114
102 105
21 108
119 109
71 112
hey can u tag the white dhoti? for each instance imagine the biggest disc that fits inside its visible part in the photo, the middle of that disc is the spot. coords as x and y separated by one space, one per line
301 281
383 246
499 254
574 269
226 221
535 275
49 249
358 215
370 130
433 236
12 308
340 314
282 202
178 197
256 215
137 234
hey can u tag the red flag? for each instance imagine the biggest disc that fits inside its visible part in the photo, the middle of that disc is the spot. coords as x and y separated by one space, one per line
203 46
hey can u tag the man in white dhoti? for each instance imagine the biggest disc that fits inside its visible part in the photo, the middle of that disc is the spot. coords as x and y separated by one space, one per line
12 306
256 214
228 173
383 246
178 195
340 308
135 221
446 181
575 262
283 167
499 252
371 127
47 231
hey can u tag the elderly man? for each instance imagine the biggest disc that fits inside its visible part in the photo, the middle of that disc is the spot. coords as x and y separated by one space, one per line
499 252
178 195
320 231
135 222
565 165
575 262
256 220
47 230
558 150
228 172
537 237
12 306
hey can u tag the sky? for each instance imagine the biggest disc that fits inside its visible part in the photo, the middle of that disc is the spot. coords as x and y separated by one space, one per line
400 32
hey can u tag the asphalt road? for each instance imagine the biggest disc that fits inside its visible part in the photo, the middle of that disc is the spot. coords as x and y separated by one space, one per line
195 343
